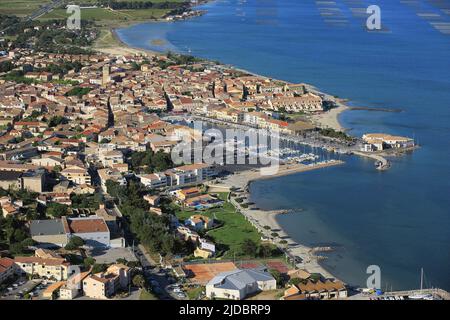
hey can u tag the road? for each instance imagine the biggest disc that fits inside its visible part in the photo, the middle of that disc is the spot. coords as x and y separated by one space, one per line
40 12
155 276
45 9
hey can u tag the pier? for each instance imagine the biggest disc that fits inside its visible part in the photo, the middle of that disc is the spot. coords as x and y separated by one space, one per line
383 163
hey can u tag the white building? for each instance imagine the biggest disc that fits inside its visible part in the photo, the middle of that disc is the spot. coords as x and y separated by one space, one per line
93 230
154 180
238 284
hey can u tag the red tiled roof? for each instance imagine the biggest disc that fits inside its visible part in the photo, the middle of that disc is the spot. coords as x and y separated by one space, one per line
87 225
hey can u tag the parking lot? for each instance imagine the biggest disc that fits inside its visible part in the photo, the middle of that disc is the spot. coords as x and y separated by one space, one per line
111 255
21 288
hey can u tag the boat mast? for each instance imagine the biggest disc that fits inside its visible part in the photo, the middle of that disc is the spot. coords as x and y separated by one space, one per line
421 279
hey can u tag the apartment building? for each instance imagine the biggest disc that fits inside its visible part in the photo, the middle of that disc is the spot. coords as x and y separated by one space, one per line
154 180
106 284
192 173
49 268
111 174
77 174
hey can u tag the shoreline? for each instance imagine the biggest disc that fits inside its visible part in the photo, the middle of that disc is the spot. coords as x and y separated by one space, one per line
260 218
327 119
122 48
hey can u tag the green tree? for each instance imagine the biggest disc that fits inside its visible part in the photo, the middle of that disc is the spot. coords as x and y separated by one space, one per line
265 250
88 262
98 267
277 275
74 243
57 210
139 281
249 247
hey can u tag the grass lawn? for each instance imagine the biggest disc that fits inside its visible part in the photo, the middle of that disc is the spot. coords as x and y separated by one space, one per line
101 14
145 295
26 7
229 237
106 39
194 293
20 7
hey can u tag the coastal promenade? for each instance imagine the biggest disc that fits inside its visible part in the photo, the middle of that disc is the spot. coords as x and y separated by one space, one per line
302 256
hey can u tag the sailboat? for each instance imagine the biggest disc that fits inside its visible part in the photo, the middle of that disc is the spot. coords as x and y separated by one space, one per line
421 295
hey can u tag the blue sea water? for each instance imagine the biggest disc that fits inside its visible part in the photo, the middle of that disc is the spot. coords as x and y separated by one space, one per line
398 219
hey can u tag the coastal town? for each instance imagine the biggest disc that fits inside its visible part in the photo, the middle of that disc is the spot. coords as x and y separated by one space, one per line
94 207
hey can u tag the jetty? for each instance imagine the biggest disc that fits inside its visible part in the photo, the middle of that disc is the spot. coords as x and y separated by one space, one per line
381 163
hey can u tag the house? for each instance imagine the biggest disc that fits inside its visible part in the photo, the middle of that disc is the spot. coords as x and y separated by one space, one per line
203 201
187 234
320 289
183 194
205 250
152 200
298 274
199 222
106 284
8 209
239 284
7 268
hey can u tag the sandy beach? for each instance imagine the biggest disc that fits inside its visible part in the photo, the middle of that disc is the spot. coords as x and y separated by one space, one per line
329 119
261 218
110 43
